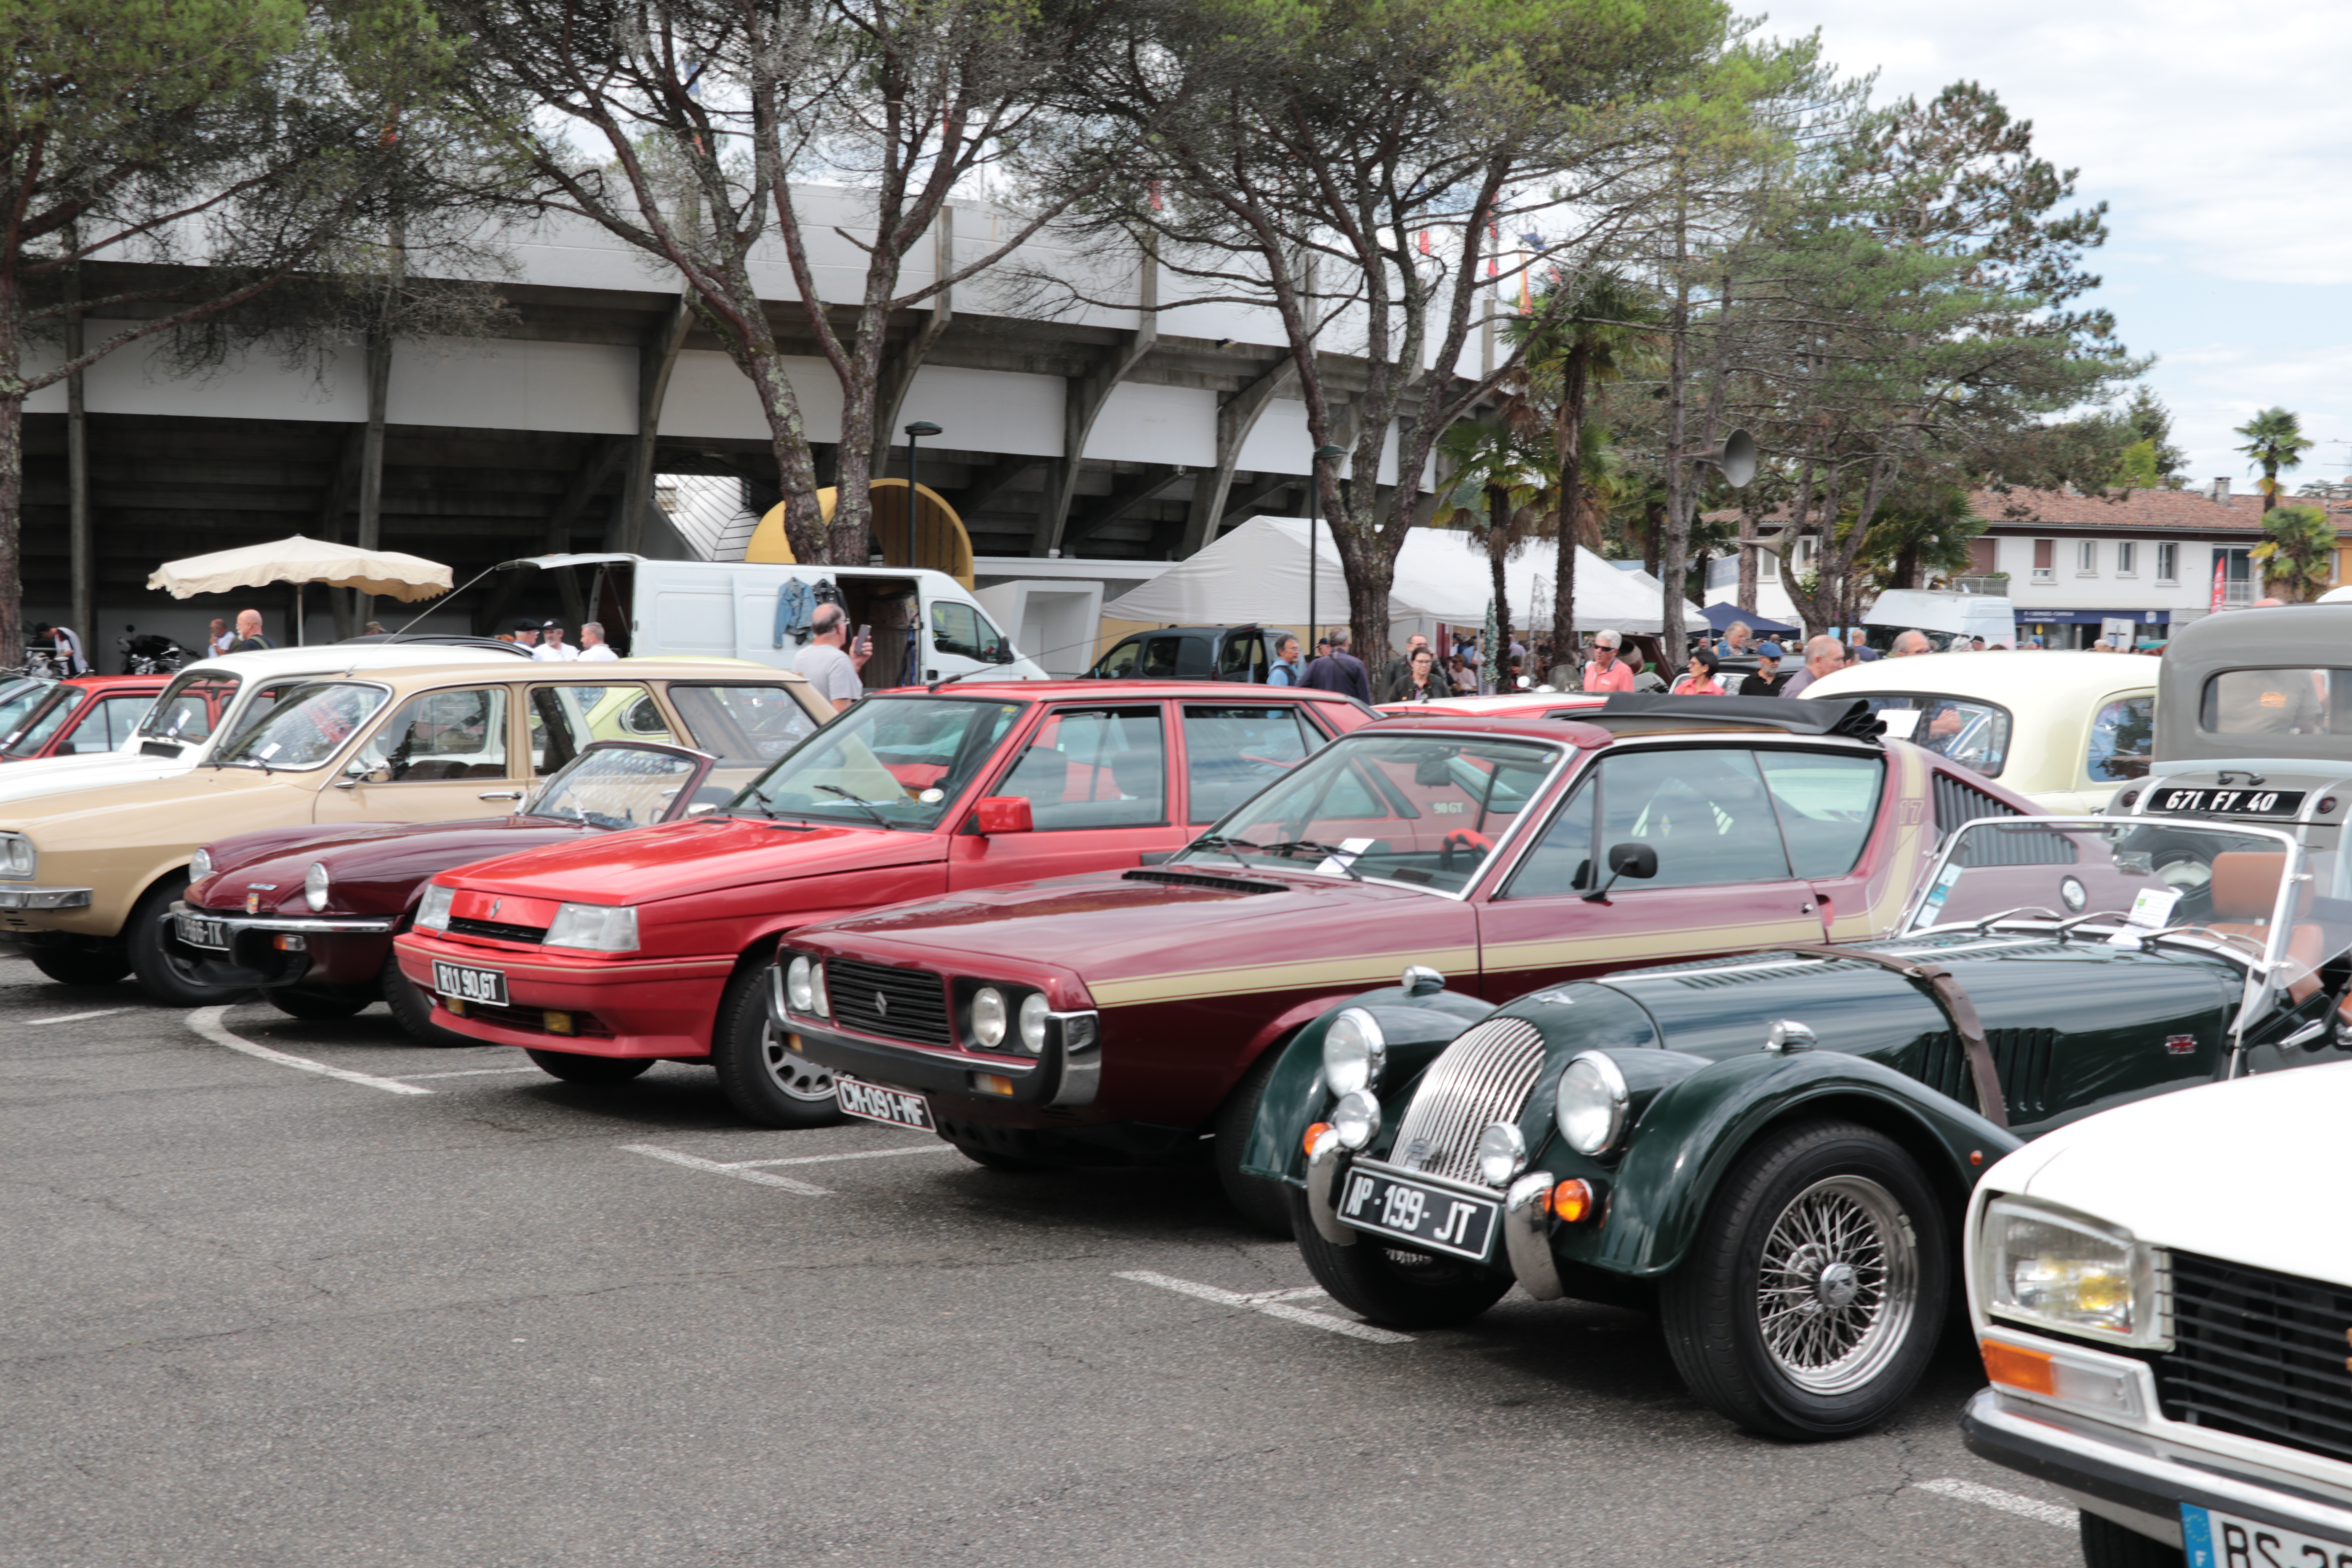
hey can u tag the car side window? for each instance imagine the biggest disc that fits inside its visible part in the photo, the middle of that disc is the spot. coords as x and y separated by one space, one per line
1231 753
107 725
1828 805
2122 737
564 719
1120 663
961 629
1234 658
1093 767
1560 863
443 735
1161 657
1704 810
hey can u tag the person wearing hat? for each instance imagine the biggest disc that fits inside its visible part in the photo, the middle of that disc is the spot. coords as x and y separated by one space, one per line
1699 679
523 633
550 648
1766 681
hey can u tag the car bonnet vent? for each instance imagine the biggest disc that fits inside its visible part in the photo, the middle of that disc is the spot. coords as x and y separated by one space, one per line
1744 974
1207 879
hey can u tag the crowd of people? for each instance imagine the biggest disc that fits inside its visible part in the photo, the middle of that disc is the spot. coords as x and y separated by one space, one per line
545 641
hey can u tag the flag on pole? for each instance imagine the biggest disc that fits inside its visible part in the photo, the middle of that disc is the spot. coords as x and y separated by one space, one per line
1494 245
2220 577
1424 242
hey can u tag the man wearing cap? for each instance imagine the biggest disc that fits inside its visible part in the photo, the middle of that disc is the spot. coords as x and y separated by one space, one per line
1766 681
550 648
525 634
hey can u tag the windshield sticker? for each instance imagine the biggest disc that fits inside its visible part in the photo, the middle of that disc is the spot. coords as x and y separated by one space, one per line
1337 865
270 750
932 796
1900 722
2152 910
1942 887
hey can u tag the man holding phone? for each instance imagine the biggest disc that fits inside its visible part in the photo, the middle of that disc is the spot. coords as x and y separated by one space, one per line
830 667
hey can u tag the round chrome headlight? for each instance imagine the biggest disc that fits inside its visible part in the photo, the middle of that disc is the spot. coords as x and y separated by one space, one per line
988 1017
1356 1119
1033 1008
800 986
199 865
1589 1108
1502 1154
1354 1051
314 886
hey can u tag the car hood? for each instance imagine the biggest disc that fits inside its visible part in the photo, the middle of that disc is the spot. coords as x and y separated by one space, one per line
372 868
2236 1170
38 776
703 855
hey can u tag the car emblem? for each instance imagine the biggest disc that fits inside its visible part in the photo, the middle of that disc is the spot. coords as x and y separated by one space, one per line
881 1003
252 903
496 905
2180 1044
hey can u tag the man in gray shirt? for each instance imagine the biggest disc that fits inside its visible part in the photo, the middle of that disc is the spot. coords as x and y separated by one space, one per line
830 667
1823 655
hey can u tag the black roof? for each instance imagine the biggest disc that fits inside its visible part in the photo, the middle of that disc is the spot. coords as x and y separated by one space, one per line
1631 712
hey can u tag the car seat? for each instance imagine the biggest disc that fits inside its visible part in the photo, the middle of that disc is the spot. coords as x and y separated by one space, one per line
2244 893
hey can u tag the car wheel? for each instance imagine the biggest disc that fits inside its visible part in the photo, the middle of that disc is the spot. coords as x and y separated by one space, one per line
1814 1294
573 1068
1390 1286
160 974
81 965
2107 1544
767 1083
414 1008
994 1161
1264 1205
298 1003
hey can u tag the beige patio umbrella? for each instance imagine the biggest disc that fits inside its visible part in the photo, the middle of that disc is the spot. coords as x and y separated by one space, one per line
385 574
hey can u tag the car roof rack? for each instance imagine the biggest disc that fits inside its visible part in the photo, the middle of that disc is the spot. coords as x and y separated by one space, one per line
1631 713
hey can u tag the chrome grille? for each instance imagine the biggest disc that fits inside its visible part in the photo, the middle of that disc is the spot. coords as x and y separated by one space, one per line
1484 1076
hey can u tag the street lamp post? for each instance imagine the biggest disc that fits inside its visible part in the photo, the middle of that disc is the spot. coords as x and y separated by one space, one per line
1314 524
919 428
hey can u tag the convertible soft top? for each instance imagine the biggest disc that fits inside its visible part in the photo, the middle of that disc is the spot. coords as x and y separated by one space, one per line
1629 712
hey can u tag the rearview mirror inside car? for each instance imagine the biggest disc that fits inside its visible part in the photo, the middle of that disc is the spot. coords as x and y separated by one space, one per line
1004 813
1432 768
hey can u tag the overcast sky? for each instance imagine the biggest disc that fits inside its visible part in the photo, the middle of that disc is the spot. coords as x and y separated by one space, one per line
2217 134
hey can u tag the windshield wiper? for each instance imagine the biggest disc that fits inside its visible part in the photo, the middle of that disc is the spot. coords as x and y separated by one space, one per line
1220 841
1345 857
860 803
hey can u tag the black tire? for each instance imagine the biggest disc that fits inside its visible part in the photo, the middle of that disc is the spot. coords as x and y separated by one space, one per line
1860 1320
90 966
767 1083
161 975
1391 1287
573 1068
994 1161
414 1008
1264 1205
2107 1544
322 1005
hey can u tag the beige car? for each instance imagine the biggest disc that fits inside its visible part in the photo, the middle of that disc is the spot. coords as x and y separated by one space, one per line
87 877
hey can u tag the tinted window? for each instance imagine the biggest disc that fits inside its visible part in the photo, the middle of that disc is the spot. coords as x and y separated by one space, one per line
1240 659
2122 737
1093 768
1974 734
962 629
739 724
1163 657
184 711
1704 812
1231 753
443 735
1827 804
2278 702
1120 663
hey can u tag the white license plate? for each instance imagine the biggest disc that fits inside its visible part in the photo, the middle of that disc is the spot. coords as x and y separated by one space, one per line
892 1107
1434 1217
197 932
2212 1539
468 984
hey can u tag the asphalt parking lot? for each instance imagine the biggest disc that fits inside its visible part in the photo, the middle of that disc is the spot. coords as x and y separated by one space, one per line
437 1311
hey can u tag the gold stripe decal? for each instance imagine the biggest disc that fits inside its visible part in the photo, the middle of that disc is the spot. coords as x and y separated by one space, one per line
1365 970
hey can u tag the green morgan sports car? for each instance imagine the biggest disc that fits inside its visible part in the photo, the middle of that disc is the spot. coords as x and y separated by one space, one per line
1773 1151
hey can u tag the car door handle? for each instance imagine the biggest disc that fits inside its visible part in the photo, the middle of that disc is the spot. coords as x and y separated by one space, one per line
504 795
1804 909
347 784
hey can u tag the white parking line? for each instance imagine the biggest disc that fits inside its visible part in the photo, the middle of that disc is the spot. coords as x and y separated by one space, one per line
463 1072
861 1154
77 1017
2008 1503
695 1162
1273 1304
206 1021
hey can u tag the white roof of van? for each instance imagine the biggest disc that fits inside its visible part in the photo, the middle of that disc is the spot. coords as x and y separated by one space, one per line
328 658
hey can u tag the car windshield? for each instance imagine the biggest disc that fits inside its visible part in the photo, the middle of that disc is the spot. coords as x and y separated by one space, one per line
891 762
614 786
29 727
1422 810
1971 732
18 699
2256 895
742 724
184 711
304 728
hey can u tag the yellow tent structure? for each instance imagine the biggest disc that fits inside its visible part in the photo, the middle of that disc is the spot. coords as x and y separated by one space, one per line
941 543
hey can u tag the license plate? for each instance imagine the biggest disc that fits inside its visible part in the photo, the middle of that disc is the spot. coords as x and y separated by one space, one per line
197 932
2228 802
467 985
892 1107
1435 1217
2215 1540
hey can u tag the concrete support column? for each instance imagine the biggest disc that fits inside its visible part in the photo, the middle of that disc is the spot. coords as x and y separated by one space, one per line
1236 417
656 357
1082 405
379 394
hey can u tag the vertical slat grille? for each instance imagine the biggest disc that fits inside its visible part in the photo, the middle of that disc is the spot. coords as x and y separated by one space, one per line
2021 1057
1484 1076
896 1003
2260 1355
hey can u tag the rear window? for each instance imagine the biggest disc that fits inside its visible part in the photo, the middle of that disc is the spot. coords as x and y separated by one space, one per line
184 711
1972 733
2122 738
2295 701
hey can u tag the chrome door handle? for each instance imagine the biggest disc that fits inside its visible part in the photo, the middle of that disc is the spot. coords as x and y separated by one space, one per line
500 794
1805 909
347 784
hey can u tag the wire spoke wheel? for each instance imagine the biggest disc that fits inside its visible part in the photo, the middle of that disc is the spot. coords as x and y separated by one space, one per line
1837 1284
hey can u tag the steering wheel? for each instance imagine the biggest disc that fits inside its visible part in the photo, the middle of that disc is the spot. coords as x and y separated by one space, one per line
1470 841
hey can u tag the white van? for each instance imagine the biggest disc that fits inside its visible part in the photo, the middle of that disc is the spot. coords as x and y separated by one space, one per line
1947 617
926 624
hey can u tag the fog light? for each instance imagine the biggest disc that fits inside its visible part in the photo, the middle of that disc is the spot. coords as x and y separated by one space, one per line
1572 1201
454 1006
991 1083
557 1023
1308 1142
1502 1154
1356 1119
290 942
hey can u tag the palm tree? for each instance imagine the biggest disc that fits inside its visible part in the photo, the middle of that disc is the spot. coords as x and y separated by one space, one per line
1499 479
2297 551
2274 440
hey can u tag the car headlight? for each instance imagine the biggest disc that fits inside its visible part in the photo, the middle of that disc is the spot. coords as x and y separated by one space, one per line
2066 1272
988 1017
1502 1154
18 856
1354 1051
1590 1106
1033 1008
200 866
433 914
314 886
1356 1119
593 928
805 986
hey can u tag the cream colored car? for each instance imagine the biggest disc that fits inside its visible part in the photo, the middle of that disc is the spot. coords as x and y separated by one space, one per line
87 877
2066 728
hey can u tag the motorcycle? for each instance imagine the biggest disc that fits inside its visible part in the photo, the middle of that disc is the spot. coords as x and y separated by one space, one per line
150 653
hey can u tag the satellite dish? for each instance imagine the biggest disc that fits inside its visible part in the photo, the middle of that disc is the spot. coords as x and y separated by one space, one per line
1735 458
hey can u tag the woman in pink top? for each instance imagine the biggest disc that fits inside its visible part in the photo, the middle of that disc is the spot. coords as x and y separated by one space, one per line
1607 672
1699 679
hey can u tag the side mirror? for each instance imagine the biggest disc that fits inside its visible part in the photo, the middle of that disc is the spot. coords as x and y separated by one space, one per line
1638 861
362 770
1004 813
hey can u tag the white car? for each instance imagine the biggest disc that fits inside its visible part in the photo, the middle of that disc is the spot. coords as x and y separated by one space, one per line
2163 1296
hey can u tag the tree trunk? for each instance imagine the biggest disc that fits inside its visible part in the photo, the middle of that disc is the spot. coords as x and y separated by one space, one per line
1498 658
1746 597
11 474
1567 450
1674 546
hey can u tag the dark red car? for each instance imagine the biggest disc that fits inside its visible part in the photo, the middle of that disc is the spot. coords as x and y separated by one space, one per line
80 717
603 956
1122 1017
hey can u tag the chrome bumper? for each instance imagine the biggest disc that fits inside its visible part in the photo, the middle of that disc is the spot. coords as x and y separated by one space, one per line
1324 1163
1526 1239
44 898
315 925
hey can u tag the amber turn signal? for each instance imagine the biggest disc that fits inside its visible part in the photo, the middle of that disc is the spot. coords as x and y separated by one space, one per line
557 1023
455 1007
2014 1367
1572 1201
991 1083
1314 1133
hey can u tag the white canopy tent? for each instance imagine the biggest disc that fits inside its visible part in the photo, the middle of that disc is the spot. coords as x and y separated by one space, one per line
1258 572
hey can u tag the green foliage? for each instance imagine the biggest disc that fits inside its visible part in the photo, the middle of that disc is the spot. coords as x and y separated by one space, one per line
2297 552
2274 440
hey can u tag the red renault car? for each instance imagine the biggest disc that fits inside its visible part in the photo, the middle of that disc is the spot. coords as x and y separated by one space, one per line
606 954
86 714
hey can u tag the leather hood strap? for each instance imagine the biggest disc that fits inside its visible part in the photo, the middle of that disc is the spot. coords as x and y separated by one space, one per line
1956 1006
